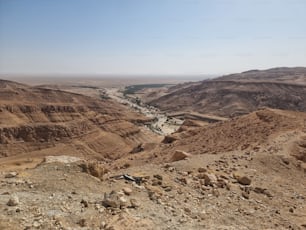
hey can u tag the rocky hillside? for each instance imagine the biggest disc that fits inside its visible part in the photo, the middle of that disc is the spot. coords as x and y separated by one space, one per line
295 75
260 129
34 120
232 95
103 171
267 130
252 179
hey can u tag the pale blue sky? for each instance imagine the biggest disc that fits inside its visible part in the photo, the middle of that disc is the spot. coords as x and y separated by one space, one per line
150 36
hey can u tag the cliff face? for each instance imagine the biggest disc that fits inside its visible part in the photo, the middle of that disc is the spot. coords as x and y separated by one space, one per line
32 119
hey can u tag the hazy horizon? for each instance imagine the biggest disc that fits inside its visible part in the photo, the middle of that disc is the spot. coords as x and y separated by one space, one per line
150 38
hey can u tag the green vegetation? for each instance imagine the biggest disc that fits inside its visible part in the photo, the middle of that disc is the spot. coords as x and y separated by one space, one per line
85 86
131 89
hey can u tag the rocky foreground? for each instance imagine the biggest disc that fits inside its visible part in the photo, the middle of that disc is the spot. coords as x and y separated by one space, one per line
237 190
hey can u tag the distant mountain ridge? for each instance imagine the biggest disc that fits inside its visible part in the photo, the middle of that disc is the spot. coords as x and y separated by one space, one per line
236 94
282 74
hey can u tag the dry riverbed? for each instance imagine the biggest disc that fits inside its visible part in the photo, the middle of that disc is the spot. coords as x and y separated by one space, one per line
163 124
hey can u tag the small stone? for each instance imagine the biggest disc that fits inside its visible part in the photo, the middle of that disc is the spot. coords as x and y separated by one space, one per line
123 202
245 195
259 190
134 203
13 201
187 210
216 192
277 211
202 170
11 175
291 210
286 161
202 215
82 222
36 224
156 182
103 224
185 180
268 194
84 203
159 177
127 191
244 180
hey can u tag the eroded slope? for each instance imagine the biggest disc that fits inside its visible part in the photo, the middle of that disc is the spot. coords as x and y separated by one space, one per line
232 95
37 120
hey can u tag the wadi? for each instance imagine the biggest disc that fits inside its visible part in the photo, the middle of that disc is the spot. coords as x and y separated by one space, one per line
222 153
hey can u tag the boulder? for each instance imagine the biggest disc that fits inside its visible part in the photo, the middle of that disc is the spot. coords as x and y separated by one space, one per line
210 179
111 200
169 139
94 168
179 155
11 175
244 180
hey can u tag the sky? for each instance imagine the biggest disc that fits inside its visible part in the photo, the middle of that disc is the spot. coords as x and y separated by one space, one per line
150 37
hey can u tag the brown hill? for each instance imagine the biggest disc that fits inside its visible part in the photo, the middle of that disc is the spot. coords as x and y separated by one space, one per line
295 75
42 121
236 94
258 129
266 130
239 174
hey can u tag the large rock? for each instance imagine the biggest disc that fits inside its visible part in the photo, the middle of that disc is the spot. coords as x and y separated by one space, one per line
244 180
11 175
180 155
169 139
95 169
111 200
210 179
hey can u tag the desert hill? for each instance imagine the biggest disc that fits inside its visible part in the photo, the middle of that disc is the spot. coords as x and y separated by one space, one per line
242 173
37 121
266 130
103 170
232 95
260 129
295 75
